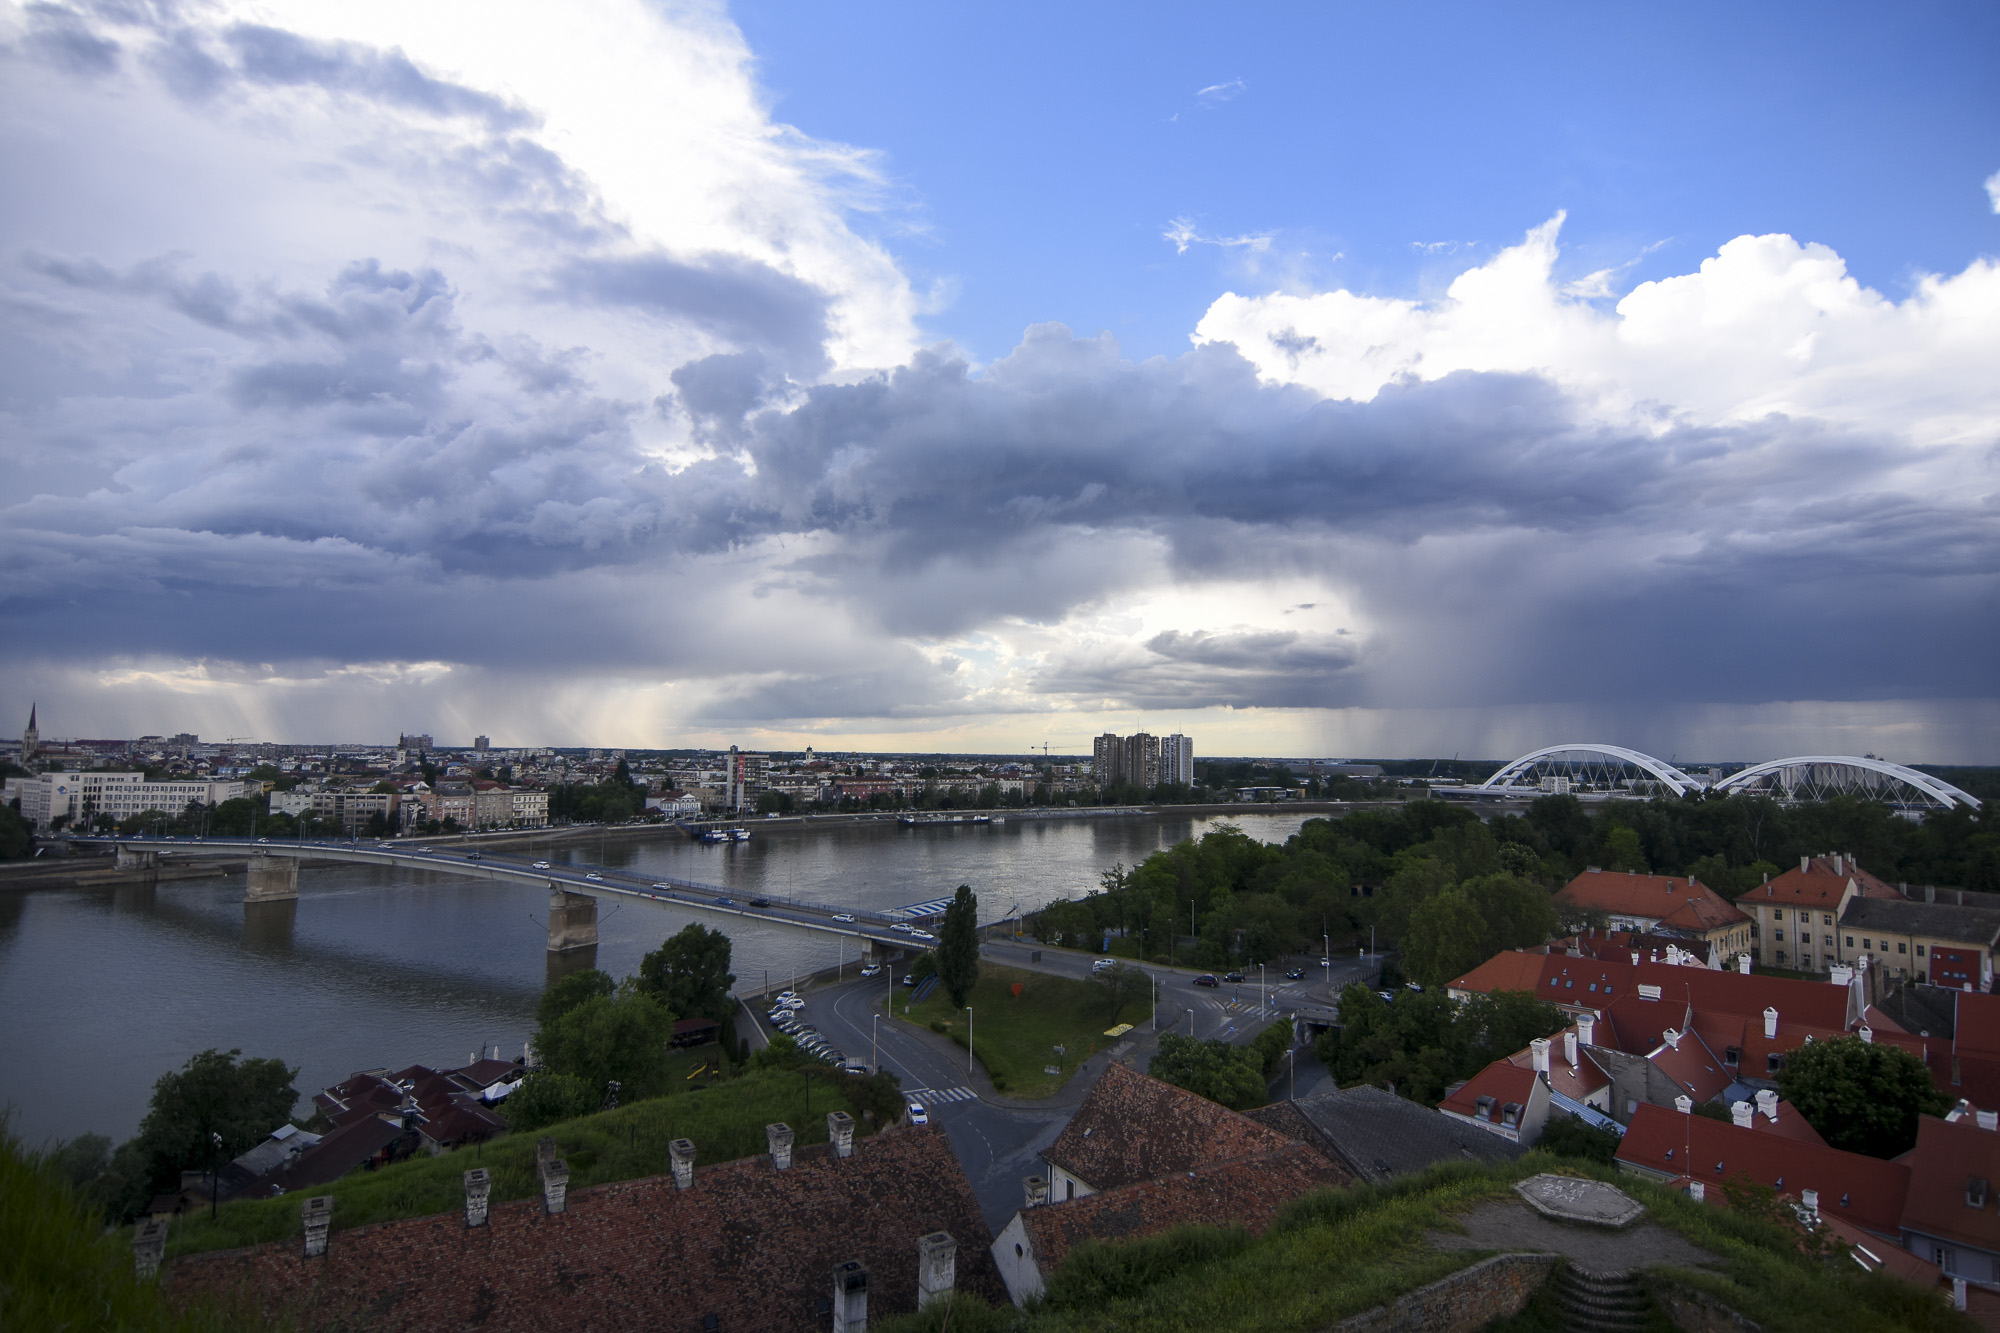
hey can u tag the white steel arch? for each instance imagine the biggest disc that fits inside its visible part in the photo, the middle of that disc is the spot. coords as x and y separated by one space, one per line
1817 776
1508 778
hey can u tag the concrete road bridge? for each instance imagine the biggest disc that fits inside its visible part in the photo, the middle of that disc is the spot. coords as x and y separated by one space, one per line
574 889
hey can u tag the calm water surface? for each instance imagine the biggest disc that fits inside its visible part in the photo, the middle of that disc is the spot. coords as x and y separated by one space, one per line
104 990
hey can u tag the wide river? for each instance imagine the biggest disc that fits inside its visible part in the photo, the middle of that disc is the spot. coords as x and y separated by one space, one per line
104 990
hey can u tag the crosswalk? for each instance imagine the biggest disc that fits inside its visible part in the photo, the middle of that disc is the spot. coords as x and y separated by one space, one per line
931 1095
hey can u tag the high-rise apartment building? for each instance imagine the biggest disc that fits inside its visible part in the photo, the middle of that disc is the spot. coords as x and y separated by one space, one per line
1177 760
1141 760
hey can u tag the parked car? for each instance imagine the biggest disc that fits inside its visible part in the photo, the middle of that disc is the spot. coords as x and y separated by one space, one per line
911 979
788 995
1388 996
1411 985
918 1115
856 1068
1206 980
1234 978
1295 974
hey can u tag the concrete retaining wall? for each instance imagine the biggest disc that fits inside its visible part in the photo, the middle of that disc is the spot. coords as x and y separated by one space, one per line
1467 1300
1694 1310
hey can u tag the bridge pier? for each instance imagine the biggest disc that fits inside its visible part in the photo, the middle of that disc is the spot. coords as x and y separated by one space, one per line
137 858
272 879
870 950
572 921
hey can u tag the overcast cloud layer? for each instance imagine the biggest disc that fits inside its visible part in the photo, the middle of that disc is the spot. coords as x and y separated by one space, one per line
493 373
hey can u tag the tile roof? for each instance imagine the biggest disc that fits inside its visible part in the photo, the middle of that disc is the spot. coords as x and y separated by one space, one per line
1821 886
1692 1065
1652 897
1380 1136
1576 1081
1865 1191
1247 1191
1948 1156
1502 1080
1509 971
1135 1127
1974 923
750 1244
1977 1027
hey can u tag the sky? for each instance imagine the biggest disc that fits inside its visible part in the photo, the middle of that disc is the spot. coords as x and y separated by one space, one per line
1312 379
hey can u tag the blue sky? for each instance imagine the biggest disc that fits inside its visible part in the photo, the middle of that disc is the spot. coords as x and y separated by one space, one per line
656 372
1039 156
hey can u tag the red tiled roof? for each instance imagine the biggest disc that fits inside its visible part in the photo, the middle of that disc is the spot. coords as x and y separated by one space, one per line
1947 1157
1862 1190
1510 971
1821 886
1248 1191
1577 1081
1978 1025
1502 1080
1692 1065
1135 1127
1654 897
1789 1124
750 1244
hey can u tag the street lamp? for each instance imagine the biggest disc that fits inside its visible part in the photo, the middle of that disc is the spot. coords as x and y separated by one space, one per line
874 1044
968 1041
1260 990
214 1172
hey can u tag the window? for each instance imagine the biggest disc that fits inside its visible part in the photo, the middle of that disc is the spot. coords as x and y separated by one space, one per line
1829 941
1777 914
1827 917
1920 951
1805 960
1779 934
1732 1055
1773 1063
1901 947
1781 955
1867 943
1850 941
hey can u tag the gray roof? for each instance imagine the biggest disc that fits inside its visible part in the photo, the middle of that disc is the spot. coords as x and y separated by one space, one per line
1977 922
1381 1136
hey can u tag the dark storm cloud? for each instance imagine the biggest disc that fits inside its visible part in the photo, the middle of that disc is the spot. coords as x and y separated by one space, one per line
275 57
728 295
1209 669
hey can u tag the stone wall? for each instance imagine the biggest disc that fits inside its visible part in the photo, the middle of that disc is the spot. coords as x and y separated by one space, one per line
1694 1310
1467 1300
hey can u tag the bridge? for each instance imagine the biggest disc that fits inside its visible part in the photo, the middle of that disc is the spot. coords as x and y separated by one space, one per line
1590 766
574 890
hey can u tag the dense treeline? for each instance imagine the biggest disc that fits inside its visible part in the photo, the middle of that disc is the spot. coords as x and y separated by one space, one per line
1432 879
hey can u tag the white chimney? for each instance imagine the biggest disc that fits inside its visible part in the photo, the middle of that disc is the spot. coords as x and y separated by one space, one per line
779 1137
1037 1188
1840 974
555 1186
1540 1046
937 1267
1770 1022
1684 1104
1635 958
1987 1120
1810 1198
1743 1114
1866 1033
318 1215
1805 864
1697 1191
1569 1048
680 1156
478 1190
840 1133
1671 1038
1586 1024
850 1296
1767 1102
1743 963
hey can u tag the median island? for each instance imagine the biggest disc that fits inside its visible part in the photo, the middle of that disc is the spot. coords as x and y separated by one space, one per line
1024 1024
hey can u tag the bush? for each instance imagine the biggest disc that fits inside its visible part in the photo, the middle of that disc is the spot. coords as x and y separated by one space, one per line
545 1098
1095 1272
1566 1136
938 1025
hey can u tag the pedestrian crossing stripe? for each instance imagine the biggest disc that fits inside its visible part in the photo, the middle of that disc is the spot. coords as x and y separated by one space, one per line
944 1094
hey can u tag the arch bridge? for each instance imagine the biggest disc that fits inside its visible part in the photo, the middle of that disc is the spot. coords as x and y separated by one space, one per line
1585 766
1817 777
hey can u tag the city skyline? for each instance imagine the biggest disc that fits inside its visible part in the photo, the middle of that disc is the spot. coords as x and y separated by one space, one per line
682 376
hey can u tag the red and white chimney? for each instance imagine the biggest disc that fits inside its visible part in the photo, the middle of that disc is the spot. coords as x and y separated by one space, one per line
1569 1048
1540 1047
1586 1024
1767 1102
1770 1023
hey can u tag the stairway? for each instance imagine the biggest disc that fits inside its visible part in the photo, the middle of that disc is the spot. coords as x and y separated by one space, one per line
1602 1302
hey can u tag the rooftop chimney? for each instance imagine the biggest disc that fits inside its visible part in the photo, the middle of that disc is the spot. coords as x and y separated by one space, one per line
1866 1033
840 1133
1697 1191
1684 1104
1635 958
545 1149
1540 1047
1743 963
149 1244
937 1267
1037 1188
1987 1120
780 1138
478 1190
1585 1025
318 1214
1805 864
1743 1114
680 1156
1810 1198
1767 1102
850 1288
1569 1048
1770 1022
1672 1038
1840 974
555 1185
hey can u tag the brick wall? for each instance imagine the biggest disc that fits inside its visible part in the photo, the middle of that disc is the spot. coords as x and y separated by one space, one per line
1467 1300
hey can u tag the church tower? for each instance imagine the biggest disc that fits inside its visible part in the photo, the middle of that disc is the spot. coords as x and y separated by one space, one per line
31 739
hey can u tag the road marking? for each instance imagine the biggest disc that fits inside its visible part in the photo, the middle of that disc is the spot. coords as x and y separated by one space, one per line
943 1094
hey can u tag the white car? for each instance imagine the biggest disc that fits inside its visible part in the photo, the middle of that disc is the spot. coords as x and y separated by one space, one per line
663 887
843 916
923 935
788 995
795 1003
871 970
541 865
901 929
594 875
918 1115
1104 965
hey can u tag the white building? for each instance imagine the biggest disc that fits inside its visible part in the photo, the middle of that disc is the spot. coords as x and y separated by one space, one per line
79 796
1177 760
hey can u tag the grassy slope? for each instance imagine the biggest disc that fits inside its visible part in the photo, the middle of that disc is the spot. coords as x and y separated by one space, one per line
1014 1036
726 1121
1338 1253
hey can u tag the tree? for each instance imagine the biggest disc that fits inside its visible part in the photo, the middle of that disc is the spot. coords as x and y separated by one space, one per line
1119 985
571 991
1212 1069
690 974
958 946
17 836
546 1098
1623 850
1447 936
623 1036
213 1093
1566 1136
1861 1096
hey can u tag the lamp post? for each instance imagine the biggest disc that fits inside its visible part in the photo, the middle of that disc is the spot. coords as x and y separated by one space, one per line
968 1041
214 1171
1260 990
874 1043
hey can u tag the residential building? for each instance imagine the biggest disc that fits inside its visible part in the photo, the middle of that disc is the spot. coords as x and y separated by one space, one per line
1952 1214
1127 761
352 810
1659 904
1795 918
1177 760
1945 943
420 742
496 806
76 797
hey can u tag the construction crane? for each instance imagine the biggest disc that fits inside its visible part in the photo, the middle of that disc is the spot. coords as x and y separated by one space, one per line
1044 748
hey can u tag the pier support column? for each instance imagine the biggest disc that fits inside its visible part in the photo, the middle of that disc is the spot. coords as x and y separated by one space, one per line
272 879
572 921
869 951
137 858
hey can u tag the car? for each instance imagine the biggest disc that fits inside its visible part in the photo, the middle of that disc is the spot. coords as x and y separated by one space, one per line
794 1003
760 902
896 926
541 865
918 1115
594 875
871 969
1295 974
1206 980
922 935
779 1018
788 995
263 840
664 888
725 902
1234 978
844 916
473 856
1104 965
1388 996
856 1068
1411 985
911 978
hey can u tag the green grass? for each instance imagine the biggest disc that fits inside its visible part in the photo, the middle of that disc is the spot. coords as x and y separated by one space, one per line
1014 1036
726 1122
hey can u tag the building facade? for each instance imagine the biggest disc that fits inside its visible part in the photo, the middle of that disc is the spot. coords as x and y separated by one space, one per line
1795 918
79 796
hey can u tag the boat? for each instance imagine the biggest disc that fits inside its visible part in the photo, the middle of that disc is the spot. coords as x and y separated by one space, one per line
922 820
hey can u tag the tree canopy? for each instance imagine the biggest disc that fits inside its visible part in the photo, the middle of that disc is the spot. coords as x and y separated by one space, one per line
958 946
1216 1070
1861 1096
1119 986
213 1093
690 974
1420 1043
623 1036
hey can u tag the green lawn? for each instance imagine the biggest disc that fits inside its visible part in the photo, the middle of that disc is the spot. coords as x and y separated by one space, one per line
1015 1036
725 1121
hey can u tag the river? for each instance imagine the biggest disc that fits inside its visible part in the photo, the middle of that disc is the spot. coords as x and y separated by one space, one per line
104 990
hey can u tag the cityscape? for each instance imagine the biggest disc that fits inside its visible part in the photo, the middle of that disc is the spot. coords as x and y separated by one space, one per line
857 669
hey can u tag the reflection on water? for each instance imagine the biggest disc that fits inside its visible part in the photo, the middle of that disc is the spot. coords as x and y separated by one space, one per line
106 989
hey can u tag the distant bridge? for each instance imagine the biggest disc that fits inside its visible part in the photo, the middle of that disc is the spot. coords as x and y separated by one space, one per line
1589 766
573 888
